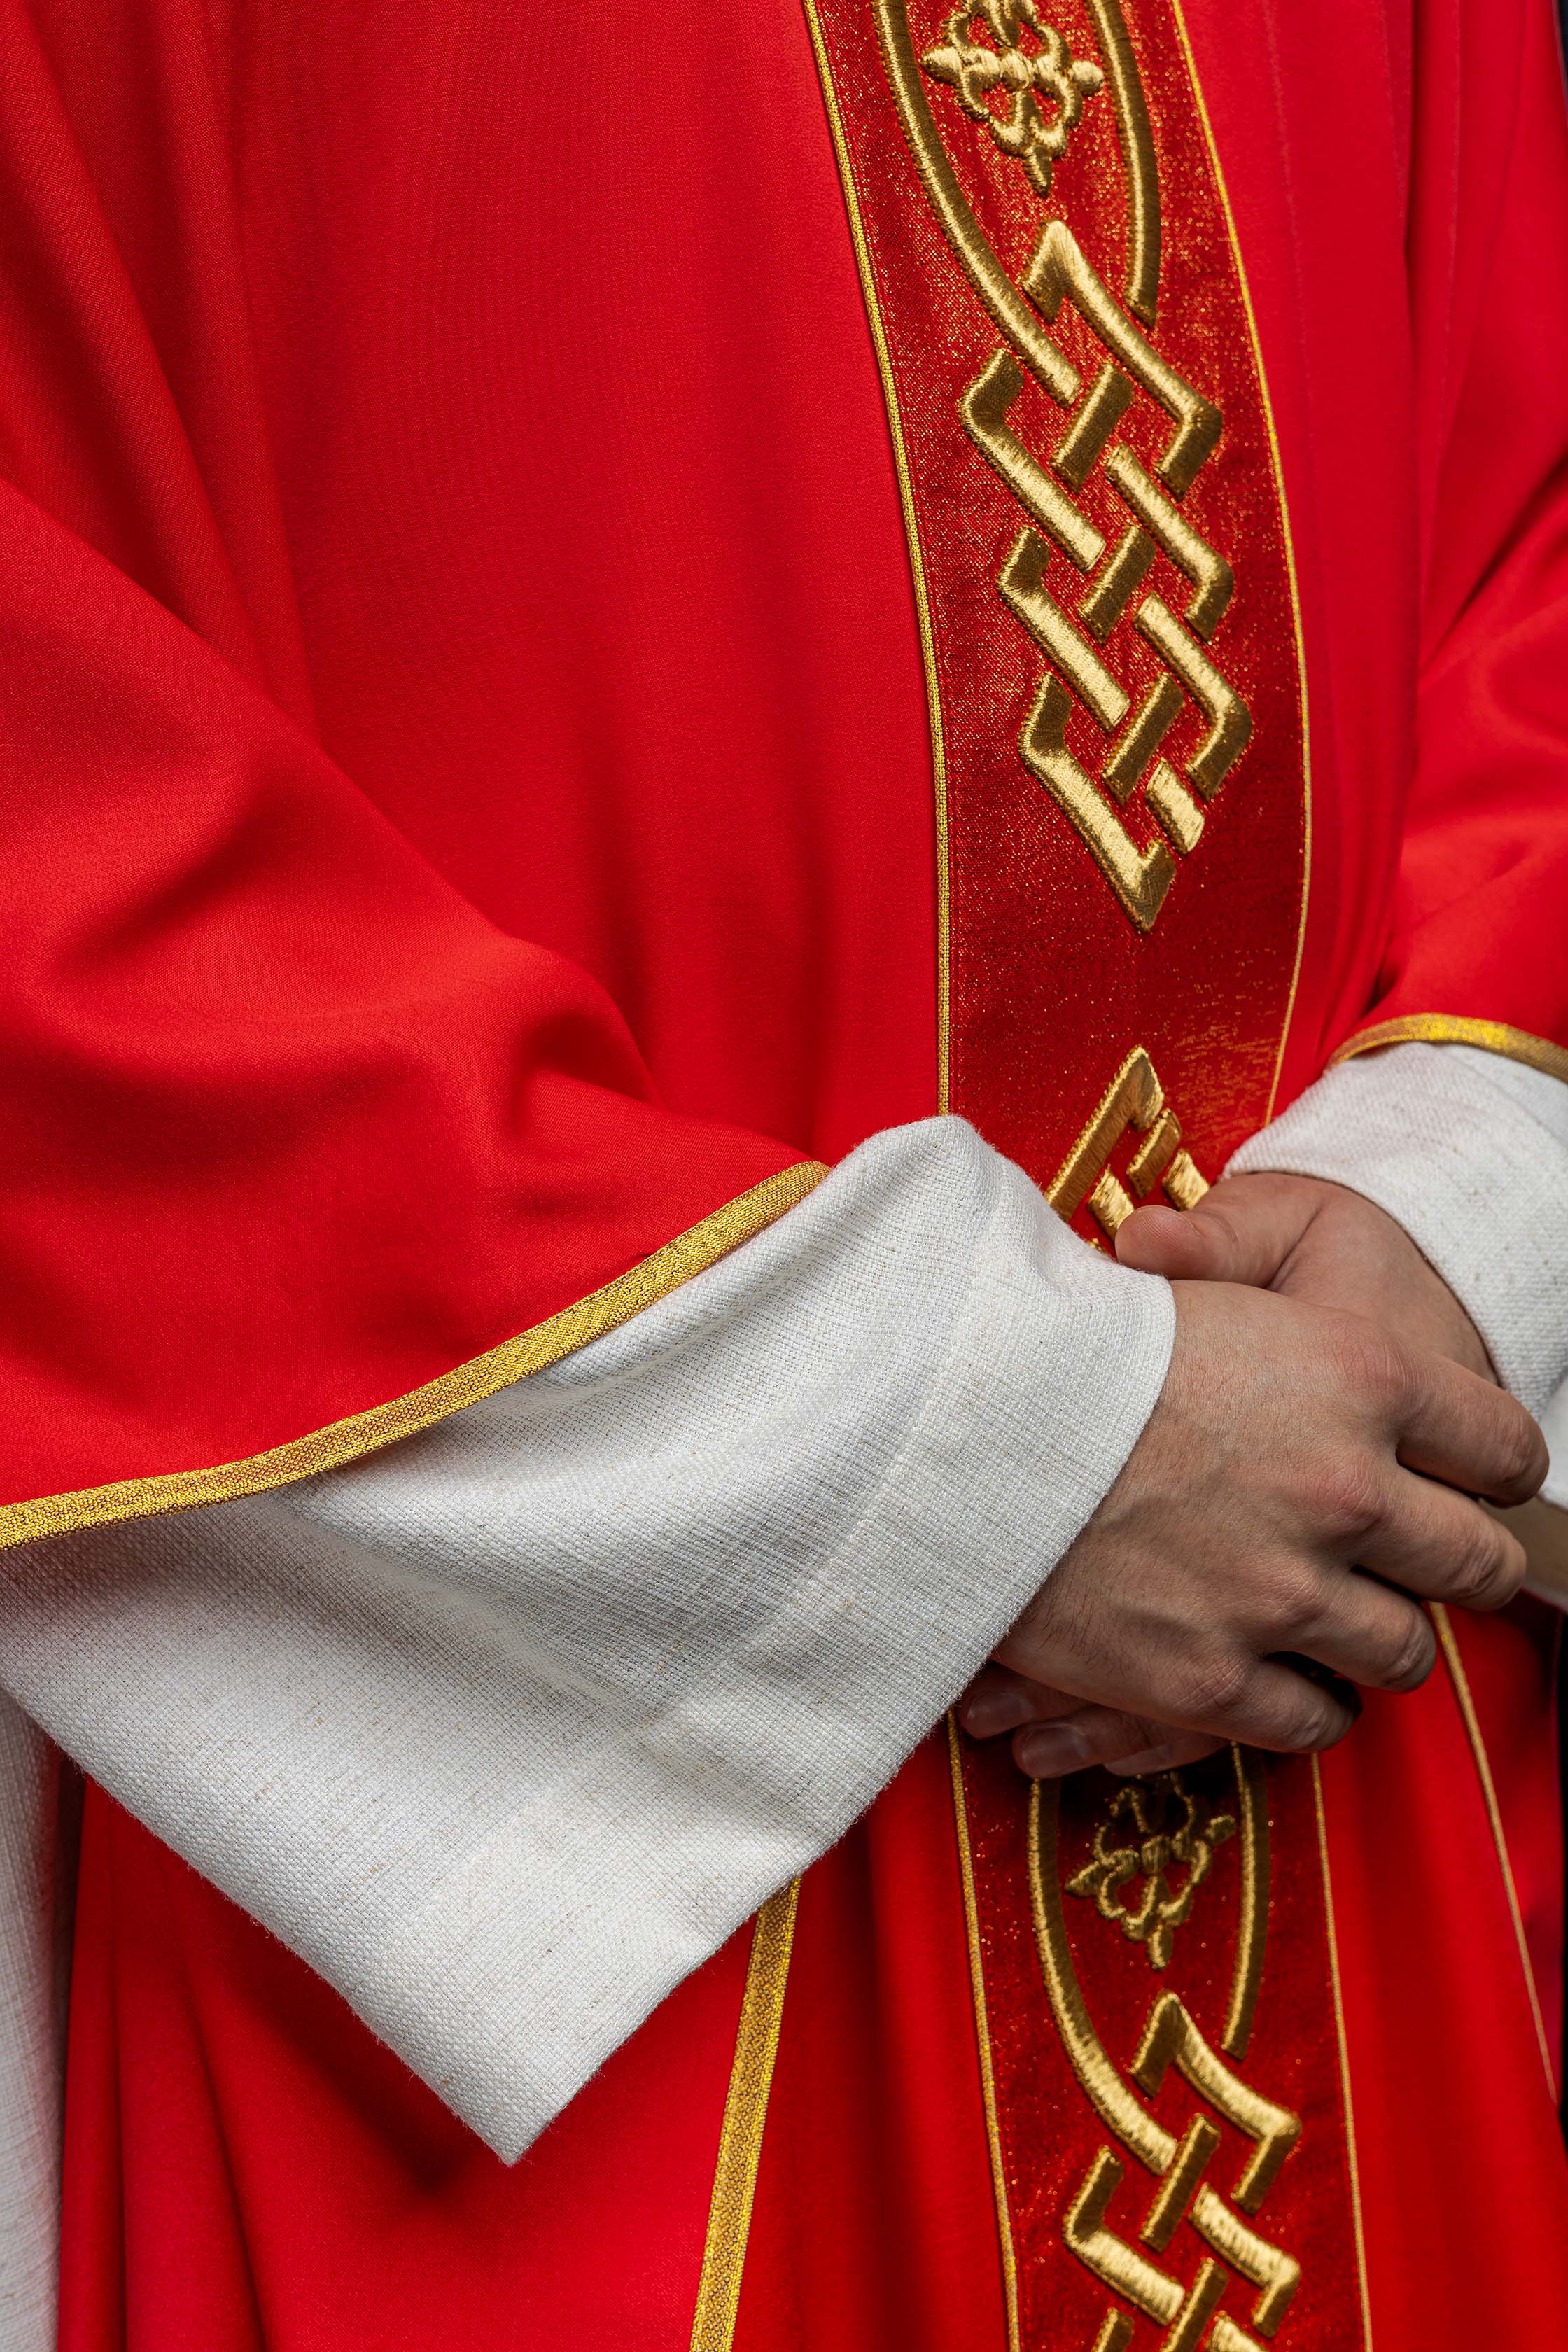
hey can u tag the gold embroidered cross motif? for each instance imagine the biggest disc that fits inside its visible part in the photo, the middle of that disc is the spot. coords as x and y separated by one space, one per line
1163 1906
978 72
1085 675
1135 1102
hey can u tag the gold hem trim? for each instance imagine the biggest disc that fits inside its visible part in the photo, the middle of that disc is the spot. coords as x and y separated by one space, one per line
1298 628
1454 1029
1473 1733
745 2115
911 531
364 1432
983 2038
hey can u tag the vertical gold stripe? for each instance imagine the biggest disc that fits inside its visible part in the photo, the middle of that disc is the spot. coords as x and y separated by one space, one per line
745 2114
983 2038
1267 408
911 533
1462 1682
1344 2052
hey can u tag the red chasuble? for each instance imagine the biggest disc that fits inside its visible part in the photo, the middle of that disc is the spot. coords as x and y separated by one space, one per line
592 613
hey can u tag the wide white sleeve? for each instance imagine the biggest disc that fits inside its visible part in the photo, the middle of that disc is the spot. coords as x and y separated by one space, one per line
1469 1151
506 1728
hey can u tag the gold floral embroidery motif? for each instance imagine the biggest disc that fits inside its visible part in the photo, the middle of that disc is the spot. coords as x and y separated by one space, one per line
1163 1906
1005 48
975 71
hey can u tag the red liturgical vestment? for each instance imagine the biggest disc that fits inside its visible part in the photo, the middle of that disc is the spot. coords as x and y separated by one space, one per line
593 614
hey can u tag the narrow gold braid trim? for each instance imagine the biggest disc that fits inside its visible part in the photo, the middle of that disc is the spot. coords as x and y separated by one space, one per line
982 2037
1343 2040
1473 1733
745 2113
382 1425
1453 1029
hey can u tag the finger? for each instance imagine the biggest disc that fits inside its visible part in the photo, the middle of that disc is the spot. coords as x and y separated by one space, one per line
1368 1633
1457 1427
1277 1708
1257 1702
1243 1230
1186 1748
1439 1544
1094 1735
998 1700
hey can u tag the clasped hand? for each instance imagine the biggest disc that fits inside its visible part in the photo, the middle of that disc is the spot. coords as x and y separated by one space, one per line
1304 1482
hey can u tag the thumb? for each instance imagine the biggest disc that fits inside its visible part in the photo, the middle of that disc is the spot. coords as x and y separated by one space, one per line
1241 1230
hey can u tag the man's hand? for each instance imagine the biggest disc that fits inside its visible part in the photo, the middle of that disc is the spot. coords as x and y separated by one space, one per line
1296 1442
1311 1241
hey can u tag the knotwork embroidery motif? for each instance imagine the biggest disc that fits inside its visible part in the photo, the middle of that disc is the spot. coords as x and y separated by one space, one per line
1005 49
1134 1102
1190 2312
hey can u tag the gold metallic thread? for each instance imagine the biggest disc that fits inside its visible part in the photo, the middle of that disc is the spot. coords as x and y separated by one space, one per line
1454 1029
1139 878
1473 1733
982 412
1135 1101
364 1432
1253 1790
982 2037
745 2115
997 291
1136 133
1171 2038
1060 270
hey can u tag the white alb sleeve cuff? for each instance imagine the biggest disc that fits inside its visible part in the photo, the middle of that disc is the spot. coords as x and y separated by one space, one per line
1469 1151
505 1730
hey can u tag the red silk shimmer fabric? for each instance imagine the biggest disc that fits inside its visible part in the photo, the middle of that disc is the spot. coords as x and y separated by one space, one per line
470 815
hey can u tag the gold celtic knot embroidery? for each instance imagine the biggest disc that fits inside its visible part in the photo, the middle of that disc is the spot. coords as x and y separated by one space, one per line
1181 2167
1081 624
1162 1907
978 72
1132 1104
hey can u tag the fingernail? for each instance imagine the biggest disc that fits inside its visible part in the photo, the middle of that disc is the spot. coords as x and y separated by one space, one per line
1148 1760
1049 1750
990 1711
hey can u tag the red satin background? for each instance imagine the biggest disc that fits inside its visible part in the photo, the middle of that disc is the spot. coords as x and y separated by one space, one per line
469 792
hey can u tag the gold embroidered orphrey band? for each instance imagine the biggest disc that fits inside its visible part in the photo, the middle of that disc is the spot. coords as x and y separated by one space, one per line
1104 586
1099 554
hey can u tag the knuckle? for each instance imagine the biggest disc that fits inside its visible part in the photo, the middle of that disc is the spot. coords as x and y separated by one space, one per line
1520 1455
1212 1687
1379 1368
1135 1734
1492 1568
1412 1653
1330 1725
1353 1497
1297 1596
1480 1567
